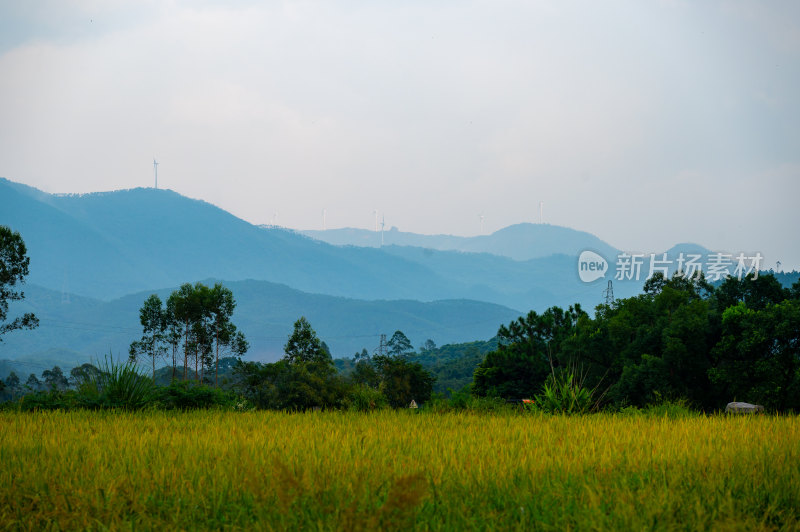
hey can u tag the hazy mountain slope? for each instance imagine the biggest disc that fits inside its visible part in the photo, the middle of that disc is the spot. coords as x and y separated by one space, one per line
527 285
350 236
105 245
265 312
523 241
68 252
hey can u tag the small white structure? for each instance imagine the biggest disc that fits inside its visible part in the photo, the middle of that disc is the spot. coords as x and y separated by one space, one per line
413 404
743 408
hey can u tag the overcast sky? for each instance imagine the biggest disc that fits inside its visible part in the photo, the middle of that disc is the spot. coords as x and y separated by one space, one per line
646 123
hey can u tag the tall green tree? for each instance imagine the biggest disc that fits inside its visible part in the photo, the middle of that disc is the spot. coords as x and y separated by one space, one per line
188 309
794 291
33 383
85 373
305 346
755 291
364 371
427 346
55 379
305 378
14 263
13 384
173 334
402 381
399 344
227 339
202 331
153 343
310 380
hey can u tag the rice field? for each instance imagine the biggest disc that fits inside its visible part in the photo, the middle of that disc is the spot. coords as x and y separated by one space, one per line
396 470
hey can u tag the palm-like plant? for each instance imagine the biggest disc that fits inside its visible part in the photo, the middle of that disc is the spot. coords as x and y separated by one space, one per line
565 392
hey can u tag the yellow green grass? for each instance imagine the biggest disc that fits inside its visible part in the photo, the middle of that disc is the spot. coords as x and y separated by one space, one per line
396 470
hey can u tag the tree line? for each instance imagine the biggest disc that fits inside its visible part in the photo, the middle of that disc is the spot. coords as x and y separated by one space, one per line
306 377
681 339
53 379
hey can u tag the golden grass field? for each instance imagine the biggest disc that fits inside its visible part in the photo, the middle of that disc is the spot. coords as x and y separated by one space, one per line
396 470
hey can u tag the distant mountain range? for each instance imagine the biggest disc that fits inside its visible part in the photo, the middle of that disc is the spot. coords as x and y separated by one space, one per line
107 245
79 328
520 242
98 249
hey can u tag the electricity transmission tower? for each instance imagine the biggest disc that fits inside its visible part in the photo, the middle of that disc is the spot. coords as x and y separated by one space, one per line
608 293
382 346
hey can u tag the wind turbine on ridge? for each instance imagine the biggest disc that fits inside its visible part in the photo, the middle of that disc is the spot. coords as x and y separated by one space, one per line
155 171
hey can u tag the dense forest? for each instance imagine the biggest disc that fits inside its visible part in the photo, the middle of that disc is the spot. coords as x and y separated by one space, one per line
680 339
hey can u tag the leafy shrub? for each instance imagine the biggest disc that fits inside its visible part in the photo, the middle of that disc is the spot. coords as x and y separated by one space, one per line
48 400
463 401
660 407
185 396
439 403
363 398
626 411
673 409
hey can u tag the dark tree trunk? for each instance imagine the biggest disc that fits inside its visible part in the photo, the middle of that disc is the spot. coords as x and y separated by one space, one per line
186 352
216 358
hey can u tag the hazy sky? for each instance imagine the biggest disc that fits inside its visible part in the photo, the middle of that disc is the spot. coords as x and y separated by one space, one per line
647 123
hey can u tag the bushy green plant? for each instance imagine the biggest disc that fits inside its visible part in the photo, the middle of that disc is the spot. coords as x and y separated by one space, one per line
674 408
439 403
463 401
187 396
49 400
626 411
564 393
363 398
117 386
660 407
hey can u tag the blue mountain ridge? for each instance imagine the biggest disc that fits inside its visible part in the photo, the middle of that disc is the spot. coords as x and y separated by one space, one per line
111 247
74 328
